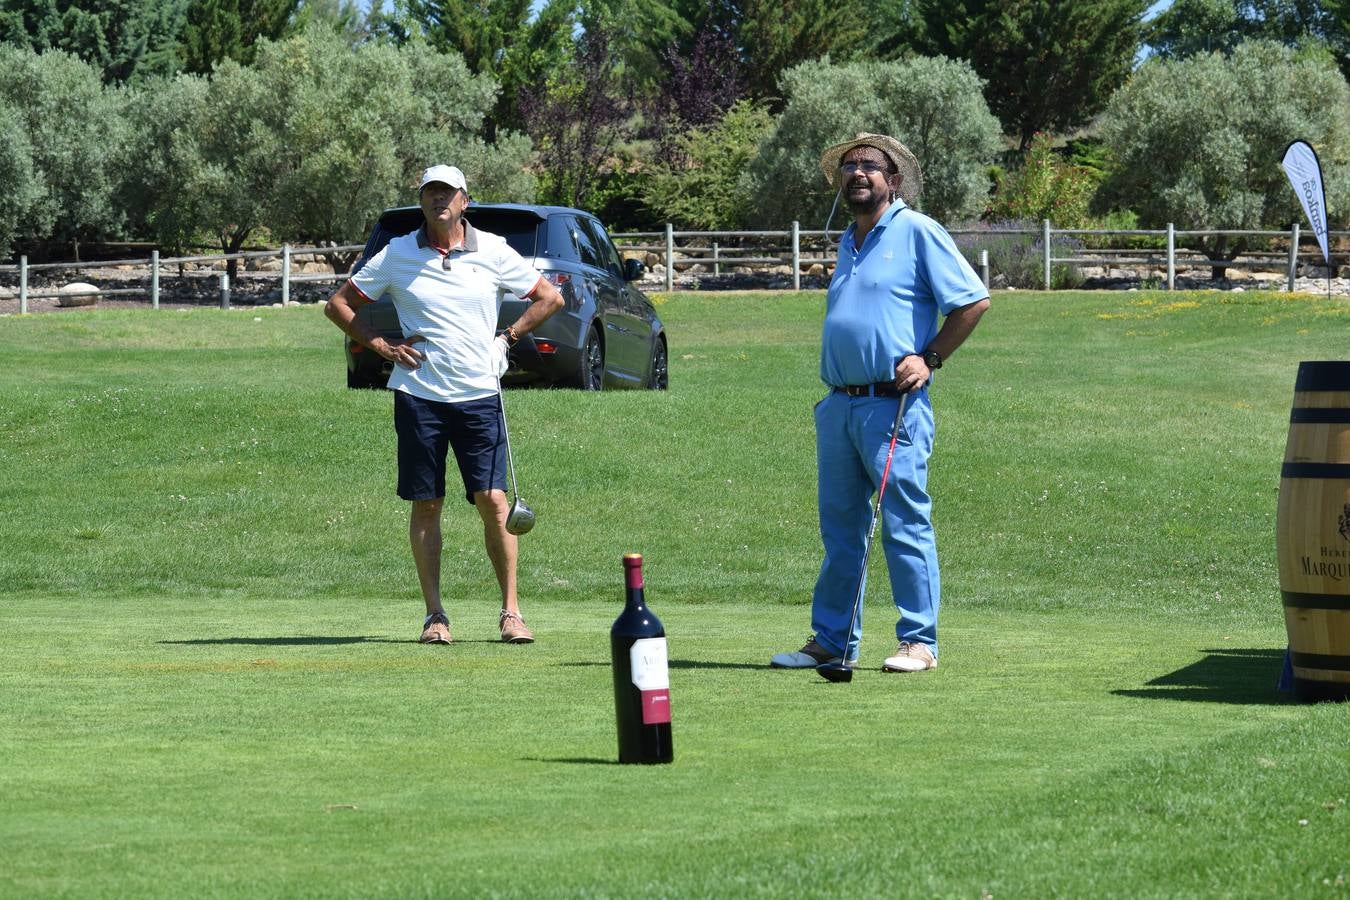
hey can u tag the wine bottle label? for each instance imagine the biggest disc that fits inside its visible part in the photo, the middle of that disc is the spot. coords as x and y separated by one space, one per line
651 676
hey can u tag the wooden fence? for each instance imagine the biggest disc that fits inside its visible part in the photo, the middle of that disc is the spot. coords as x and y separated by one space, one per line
796 249
156 266
793 252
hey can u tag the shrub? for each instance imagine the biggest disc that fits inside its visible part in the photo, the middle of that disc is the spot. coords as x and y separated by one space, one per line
704 186
1017 256
1044 187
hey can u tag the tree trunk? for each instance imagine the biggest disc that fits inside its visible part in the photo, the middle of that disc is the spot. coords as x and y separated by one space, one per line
1221 250
230 242
341 262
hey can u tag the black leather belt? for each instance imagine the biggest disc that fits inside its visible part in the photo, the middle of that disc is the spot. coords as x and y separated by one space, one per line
879 389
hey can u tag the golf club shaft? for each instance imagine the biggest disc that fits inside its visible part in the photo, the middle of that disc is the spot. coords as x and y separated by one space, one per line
872 528
506 434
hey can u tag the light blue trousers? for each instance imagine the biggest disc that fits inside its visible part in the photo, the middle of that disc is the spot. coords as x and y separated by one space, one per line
852 437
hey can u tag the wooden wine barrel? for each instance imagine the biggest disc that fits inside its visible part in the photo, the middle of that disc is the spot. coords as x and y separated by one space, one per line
1313 531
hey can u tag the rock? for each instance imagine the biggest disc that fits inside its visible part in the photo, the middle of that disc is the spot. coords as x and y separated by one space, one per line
652 260
78 293
815 269
264 264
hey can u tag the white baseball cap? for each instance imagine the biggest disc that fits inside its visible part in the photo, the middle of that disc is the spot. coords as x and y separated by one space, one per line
444 175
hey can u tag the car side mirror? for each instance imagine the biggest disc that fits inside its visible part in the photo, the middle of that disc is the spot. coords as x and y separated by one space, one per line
633 269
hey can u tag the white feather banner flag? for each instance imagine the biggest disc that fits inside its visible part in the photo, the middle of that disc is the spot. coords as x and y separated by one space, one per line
1305 174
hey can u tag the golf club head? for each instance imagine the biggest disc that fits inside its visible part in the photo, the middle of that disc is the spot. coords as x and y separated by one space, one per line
835 671
520 519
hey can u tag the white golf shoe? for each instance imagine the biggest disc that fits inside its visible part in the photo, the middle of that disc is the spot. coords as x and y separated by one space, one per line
910 656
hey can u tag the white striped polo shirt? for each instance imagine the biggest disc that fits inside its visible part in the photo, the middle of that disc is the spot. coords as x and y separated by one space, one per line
455 309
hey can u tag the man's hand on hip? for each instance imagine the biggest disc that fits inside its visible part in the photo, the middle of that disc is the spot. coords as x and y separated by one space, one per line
911 373
403 353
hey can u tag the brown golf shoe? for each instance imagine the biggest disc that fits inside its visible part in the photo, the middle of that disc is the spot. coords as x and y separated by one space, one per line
514 629
436 629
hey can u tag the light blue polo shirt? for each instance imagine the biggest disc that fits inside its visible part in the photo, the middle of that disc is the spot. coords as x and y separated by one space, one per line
885 299
452 301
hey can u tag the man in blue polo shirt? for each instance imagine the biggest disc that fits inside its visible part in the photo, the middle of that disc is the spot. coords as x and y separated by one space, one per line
898 271
445 280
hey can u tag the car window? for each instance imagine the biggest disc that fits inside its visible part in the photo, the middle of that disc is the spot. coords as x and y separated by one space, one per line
521 229
389 226
586 244
609 256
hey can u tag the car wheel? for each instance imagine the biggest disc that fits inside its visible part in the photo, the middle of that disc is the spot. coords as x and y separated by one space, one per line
591 376
659 379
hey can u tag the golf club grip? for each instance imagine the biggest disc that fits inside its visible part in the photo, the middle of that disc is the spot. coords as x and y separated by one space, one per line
890 453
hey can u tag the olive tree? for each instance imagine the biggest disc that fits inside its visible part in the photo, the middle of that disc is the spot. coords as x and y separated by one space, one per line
65 129
933 105
1198 141
313 140
16 174
346 132
204 170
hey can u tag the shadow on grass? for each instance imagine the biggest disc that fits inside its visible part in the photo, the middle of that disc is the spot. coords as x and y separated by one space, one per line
572 760
297 641
1225 675
310 641
682 664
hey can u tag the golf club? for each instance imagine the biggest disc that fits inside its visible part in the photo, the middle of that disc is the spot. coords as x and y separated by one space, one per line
841 671
520 519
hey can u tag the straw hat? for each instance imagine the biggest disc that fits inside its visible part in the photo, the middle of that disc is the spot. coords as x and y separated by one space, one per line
905 163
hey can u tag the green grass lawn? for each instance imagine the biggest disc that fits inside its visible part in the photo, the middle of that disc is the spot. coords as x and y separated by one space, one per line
211 685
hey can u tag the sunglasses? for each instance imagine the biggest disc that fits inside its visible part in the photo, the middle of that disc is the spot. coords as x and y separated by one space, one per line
867 166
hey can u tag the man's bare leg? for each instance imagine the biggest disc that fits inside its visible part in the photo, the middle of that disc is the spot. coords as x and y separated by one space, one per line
501 544
424 533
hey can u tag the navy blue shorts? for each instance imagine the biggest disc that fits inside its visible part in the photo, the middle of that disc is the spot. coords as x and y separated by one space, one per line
427 429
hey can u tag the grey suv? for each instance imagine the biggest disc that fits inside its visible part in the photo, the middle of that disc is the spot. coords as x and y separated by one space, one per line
607 335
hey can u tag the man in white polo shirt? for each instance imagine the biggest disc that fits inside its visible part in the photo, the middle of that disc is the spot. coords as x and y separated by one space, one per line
444 280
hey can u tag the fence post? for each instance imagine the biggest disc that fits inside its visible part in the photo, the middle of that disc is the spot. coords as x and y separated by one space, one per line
1171 257
984 268
286 275
796 256
1045 239
23 285
154 279
717 268
670 257
1293 255
224 290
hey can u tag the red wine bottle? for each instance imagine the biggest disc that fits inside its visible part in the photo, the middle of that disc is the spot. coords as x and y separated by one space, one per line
637 646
